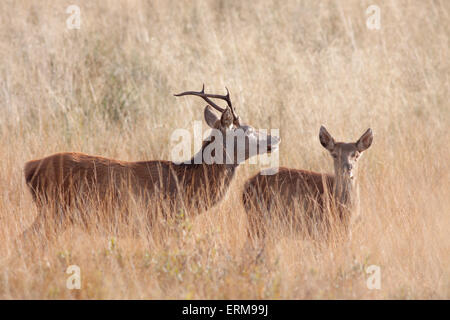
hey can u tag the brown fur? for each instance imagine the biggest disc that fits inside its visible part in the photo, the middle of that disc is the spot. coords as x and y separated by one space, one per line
284 192
66 181
325 201
66 177
71 180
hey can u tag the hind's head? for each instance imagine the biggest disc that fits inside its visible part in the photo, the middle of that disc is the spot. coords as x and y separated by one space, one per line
345 154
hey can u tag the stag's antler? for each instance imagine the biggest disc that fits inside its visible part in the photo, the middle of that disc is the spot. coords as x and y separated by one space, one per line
206 97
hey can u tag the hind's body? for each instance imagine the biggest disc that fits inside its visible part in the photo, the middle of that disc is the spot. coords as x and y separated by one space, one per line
309 201
289 192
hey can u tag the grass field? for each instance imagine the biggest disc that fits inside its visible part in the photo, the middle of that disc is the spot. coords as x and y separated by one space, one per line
107 89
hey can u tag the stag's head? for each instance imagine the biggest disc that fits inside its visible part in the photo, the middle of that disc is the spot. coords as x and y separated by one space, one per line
237 141
345 155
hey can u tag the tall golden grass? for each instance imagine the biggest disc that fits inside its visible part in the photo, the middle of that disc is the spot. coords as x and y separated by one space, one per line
107 89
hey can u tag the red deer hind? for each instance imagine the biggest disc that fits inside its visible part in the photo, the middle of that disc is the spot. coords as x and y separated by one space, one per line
66 180
299 197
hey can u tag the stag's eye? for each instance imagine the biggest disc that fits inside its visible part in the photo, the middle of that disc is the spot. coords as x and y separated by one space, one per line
334 155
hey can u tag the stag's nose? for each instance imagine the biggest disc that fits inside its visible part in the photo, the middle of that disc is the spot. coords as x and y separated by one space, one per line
348 167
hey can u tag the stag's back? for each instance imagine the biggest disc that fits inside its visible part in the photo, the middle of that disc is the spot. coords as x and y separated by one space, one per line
68 178
64 177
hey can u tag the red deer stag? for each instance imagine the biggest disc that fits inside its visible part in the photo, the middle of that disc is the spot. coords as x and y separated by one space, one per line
300 198
65 180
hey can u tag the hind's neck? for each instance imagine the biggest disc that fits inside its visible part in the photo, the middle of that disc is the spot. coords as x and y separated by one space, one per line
346 197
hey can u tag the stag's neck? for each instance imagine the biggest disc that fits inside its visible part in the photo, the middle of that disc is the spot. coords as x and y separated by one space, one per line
205 184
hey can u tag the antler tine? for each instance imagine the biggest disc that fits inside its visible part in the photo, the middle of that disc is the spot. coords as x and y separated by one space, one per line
206 97
227 97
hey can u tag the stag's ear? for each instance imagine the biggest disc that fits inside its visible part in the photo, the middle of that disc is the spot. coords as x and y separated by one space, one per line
227 118
210 117
365 141
326 140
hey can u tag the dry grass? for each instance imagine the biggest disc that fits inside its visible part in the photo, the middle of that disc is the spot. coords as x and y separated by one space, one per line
107 89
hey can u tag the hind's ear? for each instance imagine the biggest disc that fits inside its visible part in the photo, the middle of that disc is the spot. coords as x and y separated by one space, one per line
326 140
210 117
365 141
